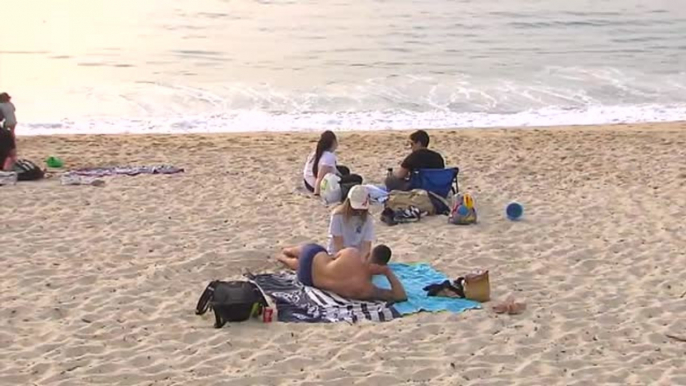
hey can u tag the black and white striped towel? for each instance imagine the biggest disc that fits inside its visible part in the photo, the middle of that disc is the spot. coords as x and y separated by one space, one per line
298 303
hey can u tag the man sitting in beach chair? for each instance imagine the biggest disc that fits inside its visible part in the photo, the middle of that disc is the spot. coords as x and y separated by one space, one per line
421 158
346 273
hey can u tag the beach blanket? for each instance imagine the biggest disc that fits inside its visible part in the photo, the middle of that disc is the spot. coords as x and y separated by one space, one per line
377 194
125 170
414 278
298 303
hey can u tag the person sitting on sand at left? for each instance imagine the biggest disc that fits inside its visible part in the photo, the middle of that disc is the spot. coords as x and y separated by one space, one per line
323 161
345 274
8 144
351 224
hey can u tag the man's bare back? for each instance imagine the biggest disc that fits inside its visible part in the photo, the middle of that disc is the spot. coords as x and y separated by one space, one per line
346 274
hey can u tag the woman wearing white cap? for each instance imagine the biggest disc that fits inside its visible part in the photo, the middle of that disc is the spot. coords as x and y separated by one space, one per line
351 225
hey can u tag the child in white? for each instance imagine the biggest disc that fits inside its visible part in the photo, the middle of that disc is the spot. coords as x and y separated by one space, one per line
351 224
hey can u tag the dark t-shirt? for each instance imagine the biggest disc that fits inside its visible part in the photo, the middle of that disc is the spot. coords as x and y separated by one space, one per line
423 159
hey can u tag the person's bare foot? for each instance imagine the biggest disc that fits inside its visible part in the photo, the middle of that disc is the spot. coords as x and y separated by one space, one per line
288 253
282 258
287 261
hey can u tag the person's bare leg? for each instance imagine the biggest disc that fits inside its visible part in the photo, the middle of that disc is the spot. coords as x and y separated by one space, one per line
8 165
12 156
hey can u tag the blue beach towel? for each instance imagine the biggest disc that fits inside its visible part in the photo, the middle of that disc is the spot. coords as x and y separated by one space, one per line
414 278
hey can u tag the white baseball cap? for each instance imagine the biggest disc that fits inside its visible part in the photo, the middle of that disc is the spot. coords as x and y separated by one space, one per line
359 197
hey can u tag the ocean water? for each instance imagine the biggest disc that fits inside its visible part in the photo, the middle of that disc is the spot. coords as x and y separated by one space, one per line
102 66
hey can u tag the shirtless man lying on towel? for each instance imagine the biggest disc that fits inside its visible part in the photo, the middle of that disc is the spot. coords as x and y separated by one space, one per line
345 274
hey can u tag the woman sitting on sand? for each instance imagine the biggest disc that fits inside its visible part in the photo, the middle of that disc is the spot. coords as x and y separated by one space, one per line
323 161
351 225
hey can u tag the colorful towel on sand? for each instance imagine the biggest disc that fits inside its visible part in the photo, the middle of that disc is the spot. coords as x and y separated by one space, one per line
126 170
298 303
414 278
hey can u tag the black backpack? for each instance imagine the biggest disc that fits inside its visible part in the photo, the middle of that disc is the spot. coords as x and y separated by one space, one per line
231 301
27 170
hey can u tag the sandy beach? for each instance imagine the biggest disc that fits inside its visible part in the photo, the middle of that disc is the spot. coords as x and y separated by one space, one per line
99 284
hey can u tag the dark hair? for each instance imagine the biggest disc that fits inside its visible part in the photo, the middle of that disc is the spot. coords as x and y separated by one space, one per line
381 254
420 136
325 143
4 97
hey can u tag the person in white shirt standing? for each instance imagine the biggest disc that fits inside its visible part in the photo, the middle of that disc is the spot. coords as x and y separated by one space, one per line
323 161
8 144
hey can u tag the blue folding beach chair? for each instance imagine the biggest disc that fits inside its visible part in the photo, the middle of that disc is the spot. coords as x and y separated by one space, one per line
438 181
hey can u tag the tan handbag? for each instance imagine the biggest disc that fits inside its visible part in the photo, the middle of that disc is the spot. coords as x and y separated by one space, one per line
398 200
476 286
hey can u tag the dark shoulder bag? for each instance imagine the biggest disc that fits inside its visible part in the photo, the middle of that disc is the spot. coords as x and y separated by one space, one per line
231 301
27 170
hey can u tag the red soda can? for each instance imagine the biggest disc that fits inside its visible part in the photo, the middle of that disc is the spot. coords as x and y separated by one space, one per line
267 315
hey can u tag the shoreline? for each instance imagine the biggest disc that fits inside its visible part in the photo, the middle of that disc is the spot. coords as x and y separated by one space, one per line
660 126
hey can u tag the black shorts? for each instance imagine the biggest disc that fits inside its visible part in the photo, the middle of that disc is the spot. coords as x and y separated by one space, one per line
7 144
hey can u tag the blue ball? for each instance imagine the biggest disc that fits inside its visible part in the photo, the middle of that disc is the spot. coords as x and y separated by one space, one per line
462 210
514 211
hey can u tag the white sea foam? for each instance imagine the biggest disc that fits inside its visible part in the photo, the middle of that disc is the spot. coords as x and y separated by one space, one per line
255 120
556 96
